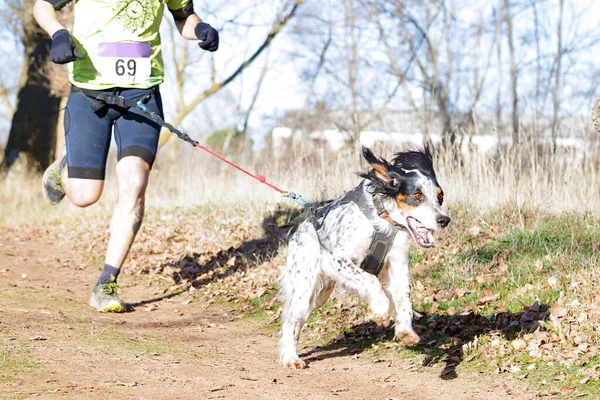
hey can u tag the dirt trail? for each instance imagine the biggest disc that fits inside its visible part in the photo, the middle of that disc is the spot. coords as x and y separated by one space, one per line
54 346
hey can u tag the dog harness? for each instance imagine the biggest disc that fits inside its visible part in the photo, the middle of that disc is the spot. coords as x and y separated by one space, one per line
382 239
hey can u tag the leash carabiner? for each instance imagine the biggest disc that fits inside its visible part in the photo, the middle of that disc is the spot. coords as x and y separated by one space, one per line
295 197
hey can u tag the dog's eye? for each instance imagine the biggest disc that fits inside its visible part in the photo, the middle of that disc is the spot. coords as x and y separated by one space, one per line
418 196
440 198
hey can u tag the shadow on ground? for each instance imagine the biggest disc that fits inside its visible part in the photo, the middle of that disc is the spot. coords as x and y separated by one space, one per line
198 269
442 336
131 306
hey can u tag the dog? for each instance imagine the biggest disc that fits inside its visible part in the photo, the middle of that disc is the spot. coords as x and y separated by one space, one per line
398 202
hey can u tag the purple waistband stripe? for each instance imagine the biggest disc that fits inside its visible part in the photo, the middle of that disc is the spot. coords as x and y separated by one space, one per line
129 50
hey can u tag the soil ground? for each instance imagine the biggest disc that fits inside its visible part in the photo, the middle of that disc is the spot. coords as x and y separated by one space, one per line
53 345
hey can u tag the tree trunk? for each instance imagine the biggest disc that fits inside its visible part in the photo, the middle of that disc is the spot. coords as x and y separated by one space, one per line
556 94
498 40
516 140
32 133
513 74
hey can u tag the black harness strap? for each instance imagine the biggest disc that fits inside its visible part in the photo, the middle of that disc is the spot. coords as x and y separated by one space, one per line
382 239
99 99
375 258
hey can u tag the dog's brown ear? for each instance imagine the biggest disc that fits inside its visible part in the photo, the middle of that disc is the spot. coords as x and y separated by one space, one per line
379 165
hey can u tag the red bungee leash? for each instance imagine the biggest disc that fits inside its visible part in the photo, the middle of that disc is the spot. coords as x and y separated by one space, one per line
154 117
259 178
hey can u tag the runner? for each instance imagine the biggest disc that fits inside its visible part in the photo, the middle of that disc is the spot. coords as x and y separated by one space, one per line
114 50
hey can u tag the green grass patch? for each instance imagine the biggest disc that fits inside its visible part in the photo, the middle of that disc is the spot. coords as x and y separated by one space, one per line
258 311
36 299
511 262
114 342
14 365
513 257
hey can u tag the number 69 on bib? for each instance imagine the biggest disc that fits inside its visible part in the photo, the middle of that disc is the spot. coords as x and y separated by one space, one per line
124 64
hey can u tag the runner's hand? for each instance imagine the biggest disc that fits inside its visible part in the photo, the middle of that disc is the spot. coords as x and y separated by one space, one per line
209 37
63 48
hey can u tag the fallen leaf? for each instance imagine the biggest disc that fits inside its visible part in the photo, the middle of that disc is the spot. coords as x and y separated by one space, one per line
486 297
339 390
558 311
340 337
522 290
566 390
518 344
127 384
515 369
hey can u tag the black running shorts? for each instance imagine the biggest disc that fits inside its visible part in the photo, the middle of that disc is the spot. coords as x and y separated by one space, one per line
88 133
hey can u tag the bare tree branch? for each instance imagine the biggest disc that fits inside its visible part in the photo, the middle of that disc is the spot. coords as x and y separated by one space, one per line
216 86
256 93
8 107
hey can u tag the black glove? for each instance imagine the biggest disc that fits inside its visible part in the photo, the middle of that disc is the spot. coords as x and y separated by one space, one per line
208 35
63 48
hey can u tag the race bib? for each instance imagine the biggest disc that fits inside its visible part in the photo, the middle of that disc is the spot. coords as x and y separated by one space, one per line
124 63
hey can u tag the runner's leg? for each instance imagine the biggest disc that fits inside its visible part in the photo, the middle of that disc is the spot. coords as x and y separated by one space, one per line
88 142
79 172
137 142
132 173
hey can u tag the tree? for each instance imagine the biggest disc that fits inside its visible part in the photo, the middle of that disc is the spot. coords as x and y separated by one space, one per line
180 58
32 134
513 74
557 82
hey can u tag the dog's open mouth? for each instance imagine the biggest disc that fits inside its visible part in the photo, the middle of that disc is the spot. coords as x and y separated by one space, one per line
422 235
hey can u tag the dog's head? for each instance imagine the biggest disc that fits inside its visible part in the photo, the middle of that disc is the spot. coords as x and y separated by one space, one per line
411 193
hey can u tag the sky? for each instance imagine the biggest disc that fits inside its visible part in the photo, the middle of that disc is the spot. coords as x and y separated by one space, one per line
284 87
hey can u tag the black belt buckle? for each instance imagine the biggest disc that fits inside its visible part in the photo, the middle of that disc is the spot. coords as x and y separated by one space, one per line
120 101
97 105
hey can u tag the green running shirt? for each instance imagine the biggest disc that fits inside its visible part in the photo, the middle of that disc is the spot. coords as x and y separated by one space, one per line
120 42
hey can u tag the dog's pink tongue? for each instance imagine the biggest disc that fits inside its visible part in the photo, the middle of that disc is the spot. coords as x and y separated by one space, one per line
422 234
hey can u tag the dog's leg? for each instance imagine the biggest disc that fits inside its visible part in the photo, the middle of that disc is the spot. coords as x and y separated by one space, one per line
322 295
347 274
395 278
303 290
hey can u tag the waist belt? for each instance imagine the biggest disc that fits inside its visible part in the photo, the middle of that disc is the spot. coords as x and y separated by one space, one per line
99 98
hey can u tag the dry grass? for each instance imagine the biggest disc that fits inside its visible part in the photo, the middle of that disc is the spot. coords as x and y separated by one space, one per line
185 176
474 180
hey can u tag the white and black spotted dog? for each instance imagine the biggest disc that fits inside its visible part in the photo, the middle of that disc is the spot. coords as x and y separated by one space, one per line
361 242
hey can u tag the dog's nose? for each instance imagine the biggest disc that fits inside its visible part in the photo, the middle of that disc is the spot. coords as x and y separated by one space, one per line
443 220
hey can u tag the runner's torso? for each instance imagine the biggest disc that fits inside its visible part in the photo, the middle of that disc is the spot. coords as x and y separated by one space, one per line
120 42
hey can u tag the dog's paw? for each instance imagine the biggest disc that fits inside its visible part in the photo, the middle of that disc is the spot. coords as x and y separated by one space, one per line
408 338
295 363
380 311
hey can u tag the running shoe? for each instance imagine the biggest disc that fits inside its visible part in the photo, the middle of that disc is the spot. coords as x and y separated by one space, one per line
51 181
105 299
